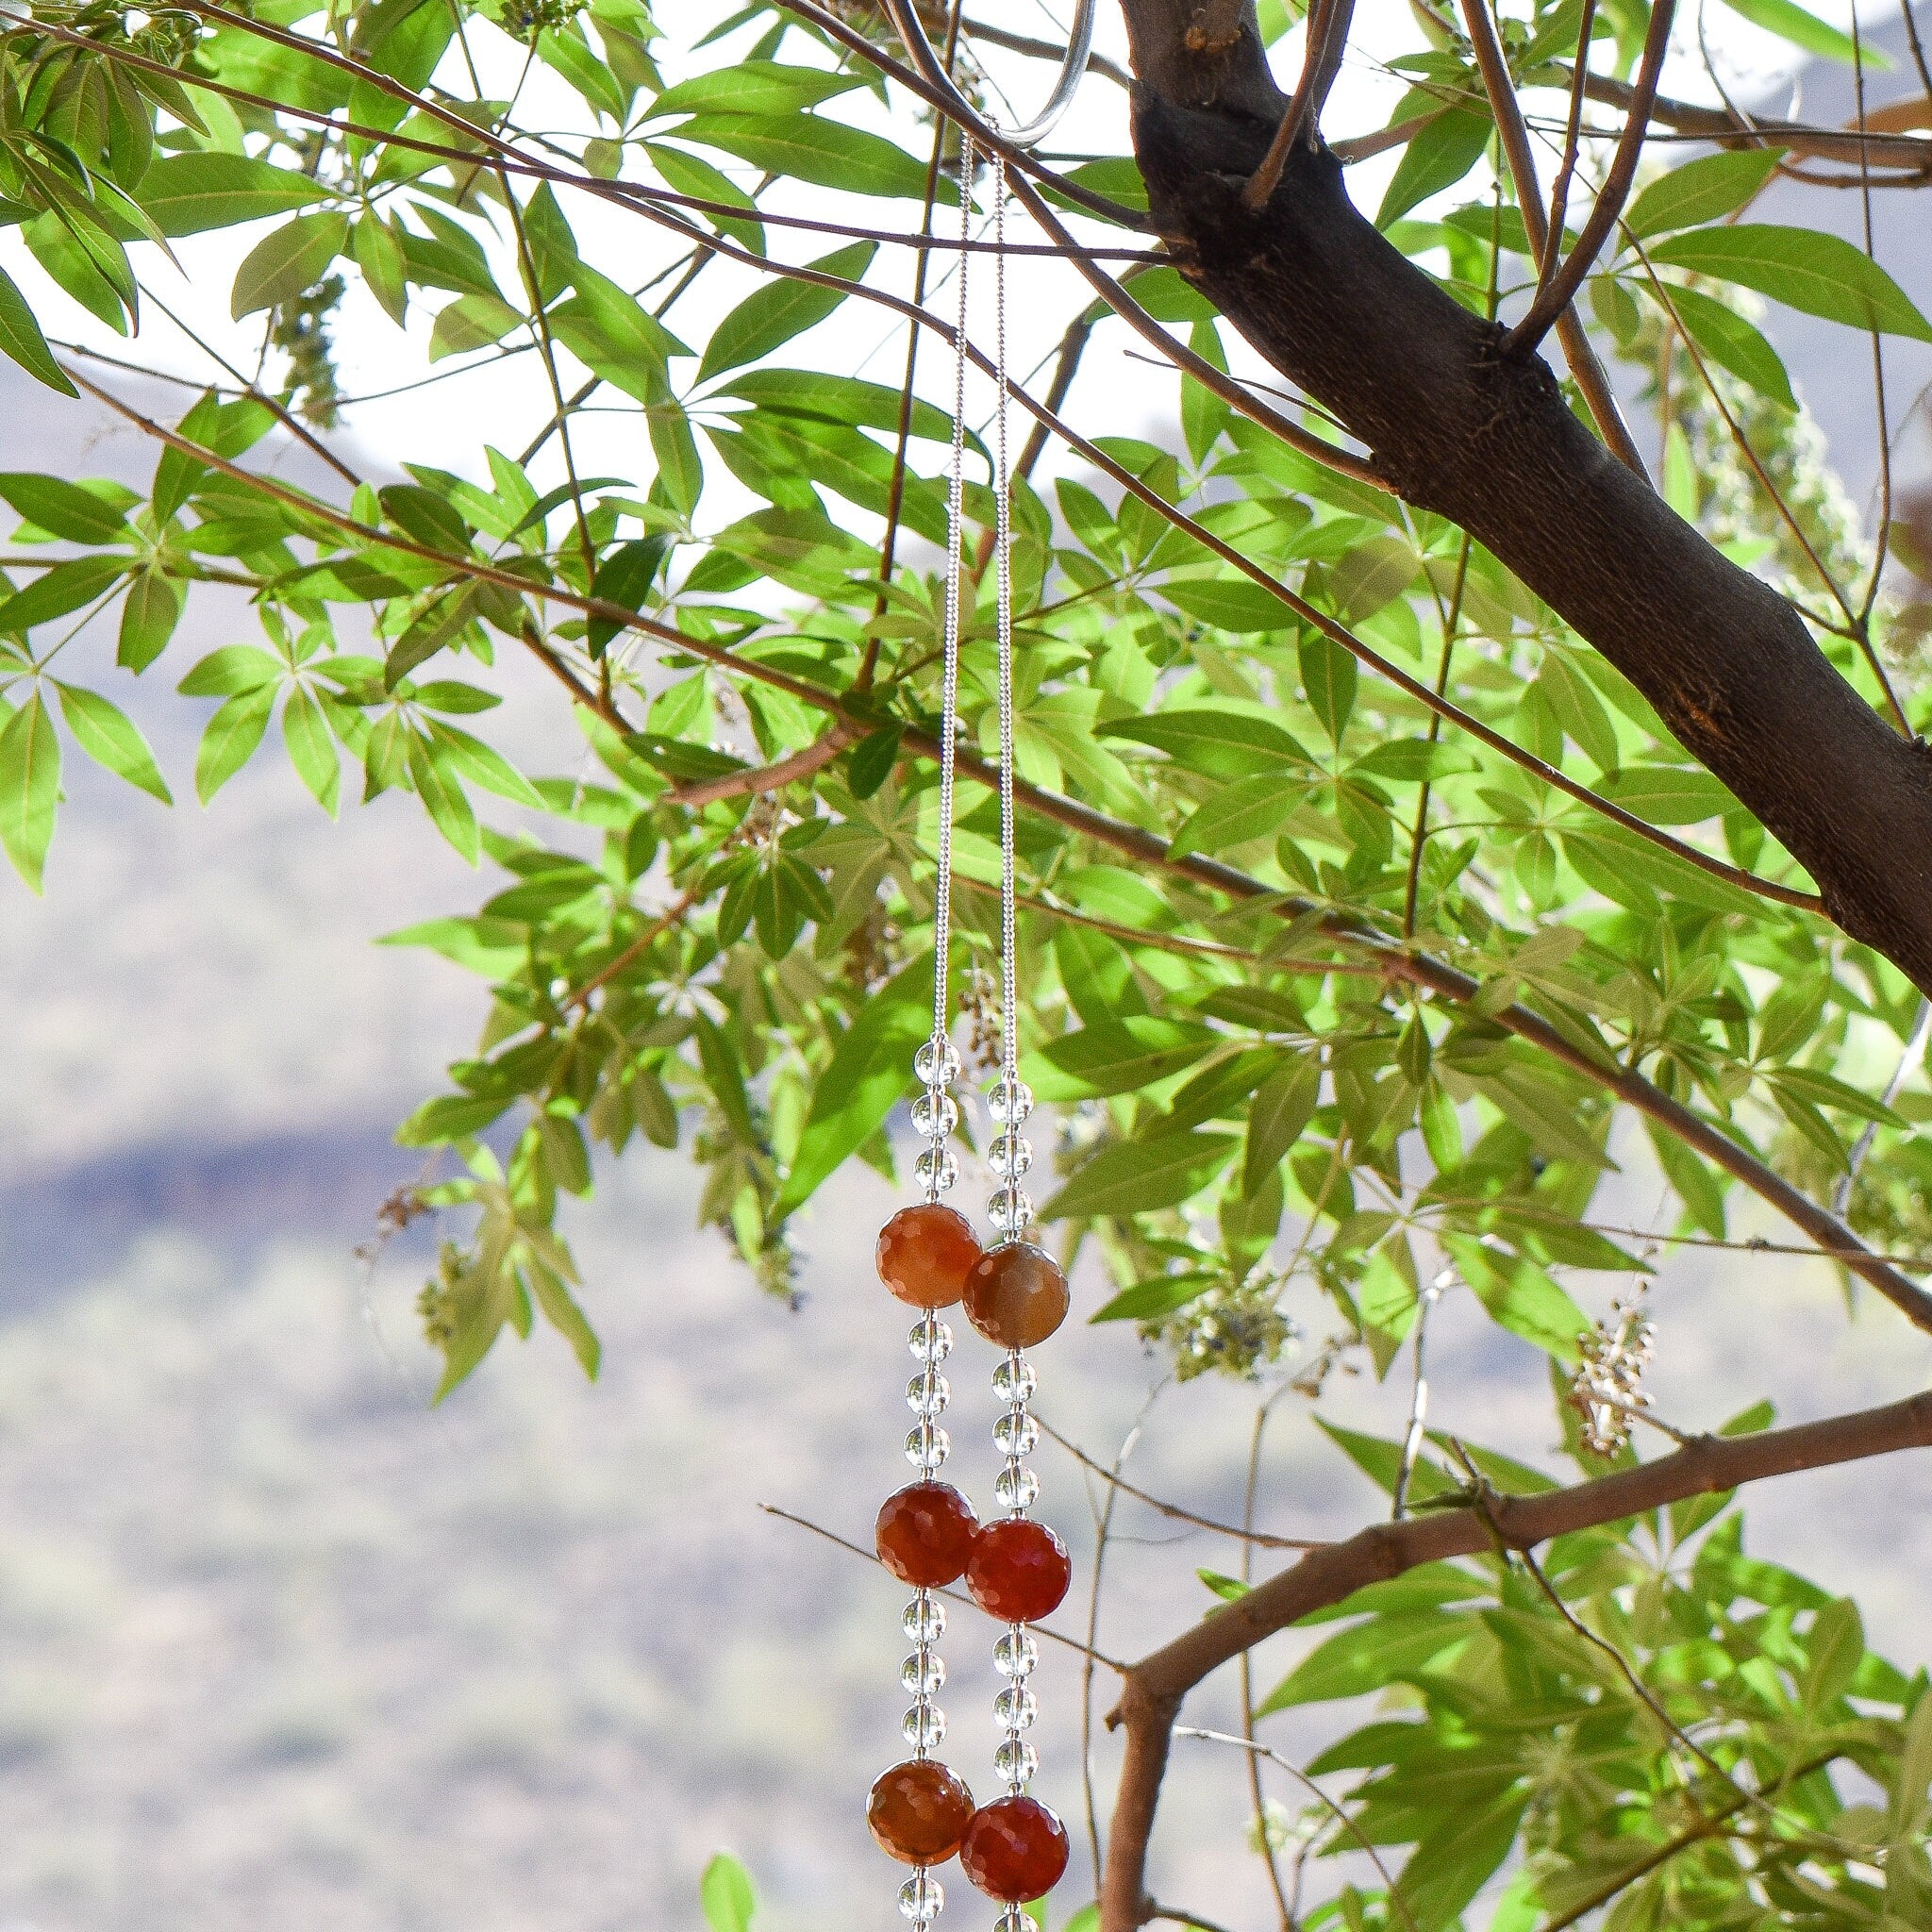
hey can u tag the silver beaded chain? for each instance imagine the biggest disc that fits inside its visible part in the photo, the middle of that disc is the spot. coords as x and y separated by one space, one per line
936 1113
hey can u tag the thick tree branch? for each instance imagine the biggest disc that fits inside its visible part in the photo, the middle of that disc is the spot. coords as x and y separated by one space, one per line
1153 1688
1486 439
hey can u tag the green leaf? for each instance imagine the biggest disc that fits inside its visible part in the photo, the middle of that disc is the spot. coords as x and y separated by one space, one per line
1372 1656
110 738
1230 604
1438 155
1116 1056
22 340
1148 1301
870 762
1136 1176
230 739
29 788
1283 1106
188 194
624 576
1832 1654
1790 21
472 321
1727 339
283 263
1219 744
727 1895
1248 809
1456 1860
432 772
753 86
778 311
1820 273
312 748
64 587
808 147
1705 190
1329 676
63 510
869 1073
149 613
1520 1296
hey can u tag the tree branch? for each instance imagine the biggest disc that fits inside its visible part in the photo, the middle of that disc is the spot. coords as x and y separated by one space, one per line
1155 1687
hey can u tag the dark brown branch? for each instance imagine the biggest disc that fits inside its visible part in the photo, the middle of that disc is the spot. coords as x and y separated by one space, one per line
772 777
1557 292
1155 1687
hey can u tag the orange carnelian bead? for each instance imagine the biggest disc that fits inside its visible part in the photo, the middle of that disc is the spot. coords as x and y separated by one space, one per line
925 1533
925 1253
919 1811
1016 1295
1017 1571
1015 1849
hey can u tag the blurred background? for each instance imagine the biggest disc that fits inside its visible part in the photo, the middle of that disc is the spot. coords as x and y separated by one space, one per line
281 1646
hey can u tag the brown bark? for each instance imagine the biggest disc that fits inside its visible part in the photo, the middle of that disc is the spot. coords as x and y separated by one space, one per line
1460 426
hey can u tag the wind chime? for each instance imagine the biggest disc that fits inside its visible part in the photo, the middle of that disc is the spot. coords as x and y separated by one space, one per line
1016 1568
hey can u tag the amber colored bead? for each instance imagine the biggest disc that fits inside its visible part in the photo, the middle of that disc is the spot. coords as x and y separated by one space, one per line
919 1811
1015 1849
925 1533
925 1254
1016 1295
1017 1571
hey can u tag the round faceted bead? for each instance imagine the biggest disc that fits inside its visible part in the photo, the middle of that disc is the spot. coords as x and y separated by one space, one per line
1015 1707
925 1675
925 1254
928 1394
1017 1571
1015 1849
1010 1209
936 1169
1016 1433
925 1533
936 1062
1010 1154
930 1340
1010 1102
923 1726
1016 1295
919 1811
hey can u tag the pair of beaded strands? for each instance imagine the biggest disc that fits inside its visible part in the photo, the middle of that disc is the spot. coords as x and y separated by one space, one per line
1013 1849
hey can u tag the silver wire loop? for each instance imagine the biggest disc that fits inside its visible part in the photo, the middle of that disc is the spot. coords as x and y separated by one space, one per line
904 15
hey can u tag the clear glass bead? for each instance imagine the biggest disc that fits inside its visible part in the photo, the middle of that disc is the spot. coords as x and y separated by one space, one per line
1016 1486
937 1168
935 1114
935 1063
924 1620
1013 1380
1014 1919
1008 1101
1016 1762
930 1340
927 1446
1015 1655
1008 1153
1016 1433
923 1674
928 1394
921 1899
1015 1707
1009 1208
923 1726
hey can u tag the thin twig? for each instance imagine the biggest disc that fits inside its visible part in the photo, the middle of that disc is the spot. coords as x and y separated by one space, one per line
771 777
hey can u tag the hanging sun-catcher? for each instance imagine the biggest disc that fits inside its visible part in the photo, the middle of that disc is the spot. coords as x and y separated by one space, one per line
1014 1849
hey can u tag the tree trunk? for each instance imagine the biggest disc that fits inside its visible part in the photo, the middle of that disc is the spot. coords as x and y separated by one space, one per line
1484 439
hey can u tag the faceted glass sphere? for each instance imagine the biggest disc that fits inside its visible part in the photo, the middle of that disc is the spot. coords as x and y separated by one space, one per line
1016 1433
1015 1655
919 1812
1011 1153
1016 1295
1008 1103
926 1447
928 1394
1014 1921
1015 1761
925 1533
1015 1849
1017 1571
1014 1707
921 1899
1014 1381
930 1340
935 1114
925 1253
1016 1486
923 1726
936 1062
925 1675
1010 1209
925 1622
937 1167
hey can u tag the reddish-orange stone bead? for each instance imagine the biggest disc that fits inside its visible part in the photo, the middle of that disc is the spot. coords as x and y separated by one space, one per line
919 1812
925 1254
925 1533
1017 1571
1016 1295
1015 1849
